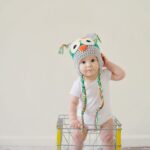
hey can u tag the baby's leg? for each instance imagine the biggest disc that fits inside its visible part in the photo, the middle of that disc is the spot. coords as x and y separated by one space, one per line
107 135
78 139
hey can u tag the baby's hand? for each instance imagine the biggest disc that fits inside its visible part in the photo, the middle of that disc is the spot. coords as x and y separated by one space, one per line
76 123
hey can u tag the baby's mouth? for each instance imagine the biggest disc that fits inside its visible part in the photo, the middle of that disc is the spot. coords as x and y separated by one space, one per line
89 70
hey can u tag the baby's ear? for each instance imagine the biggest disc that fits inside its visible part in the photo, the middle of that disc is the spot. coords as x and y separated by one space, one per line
102 59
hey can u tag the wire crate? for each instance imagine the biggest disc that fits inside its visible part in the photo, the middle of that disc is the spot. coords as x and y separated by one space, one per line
92 142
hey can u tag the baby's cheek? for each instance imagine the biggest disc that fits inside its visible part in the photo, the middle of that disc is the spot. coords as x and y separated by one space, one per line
97 66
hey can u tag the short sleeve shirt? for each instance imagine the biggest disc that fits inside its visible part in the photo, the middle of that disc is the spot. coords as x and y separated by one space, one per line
93 97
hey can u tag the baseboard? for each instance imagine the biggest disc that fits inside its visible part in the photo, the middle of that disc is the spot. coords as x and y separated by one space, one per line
135 140
127 141
27 141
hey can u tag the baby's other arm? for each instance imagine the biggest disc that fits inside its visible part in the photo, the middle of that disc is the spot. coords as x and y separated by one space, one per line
74 101
117 72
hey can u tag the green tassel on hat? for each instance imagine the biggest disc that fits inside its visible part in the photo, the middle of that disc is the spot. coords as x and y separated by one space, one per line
61 49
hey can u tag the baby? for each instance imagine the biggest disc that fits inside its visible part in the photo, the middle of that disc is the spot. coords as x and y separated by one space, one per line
90 101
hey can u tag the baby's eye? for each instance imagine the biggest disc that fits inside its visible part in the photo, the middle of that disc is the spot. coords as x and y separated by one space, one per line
83 62
92 60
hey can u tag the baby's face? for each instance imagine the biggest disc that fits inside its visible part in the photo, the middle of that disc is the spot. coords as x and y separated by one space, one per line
89 67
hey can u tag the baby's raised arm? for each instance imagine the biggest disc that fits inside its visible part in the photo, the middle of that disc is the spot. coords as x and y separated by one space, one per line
117 72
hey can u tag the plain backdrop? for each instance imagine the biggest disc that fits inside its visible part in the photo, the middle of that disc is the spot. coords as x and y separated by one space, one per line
35 81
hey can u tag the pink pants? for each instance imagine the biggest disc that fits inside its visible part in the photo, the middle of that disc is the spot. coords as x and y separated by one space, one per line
105 135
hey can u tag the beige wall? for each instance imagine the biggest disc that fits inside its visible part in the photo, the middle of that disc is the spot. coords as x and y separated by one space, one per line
35 80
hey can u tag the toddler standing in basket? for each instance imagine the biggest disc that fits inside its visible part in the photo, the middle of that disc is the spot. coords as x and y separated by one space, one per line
90 101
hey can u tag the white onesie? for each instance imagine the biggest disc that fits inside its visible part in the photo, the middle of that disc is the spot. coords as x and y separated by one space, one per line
93 99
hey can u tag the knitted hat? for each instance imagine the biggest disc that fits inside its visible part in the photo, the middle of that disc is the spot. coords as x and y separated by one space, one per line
86 46
79 49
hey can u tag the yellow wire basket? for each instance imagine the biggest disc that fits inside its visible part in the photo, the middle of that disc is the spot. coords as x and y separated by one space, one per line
92 142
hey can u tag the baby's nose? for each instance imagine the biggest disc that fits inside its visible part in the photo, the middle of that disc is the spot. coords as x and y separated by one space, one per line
88 63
